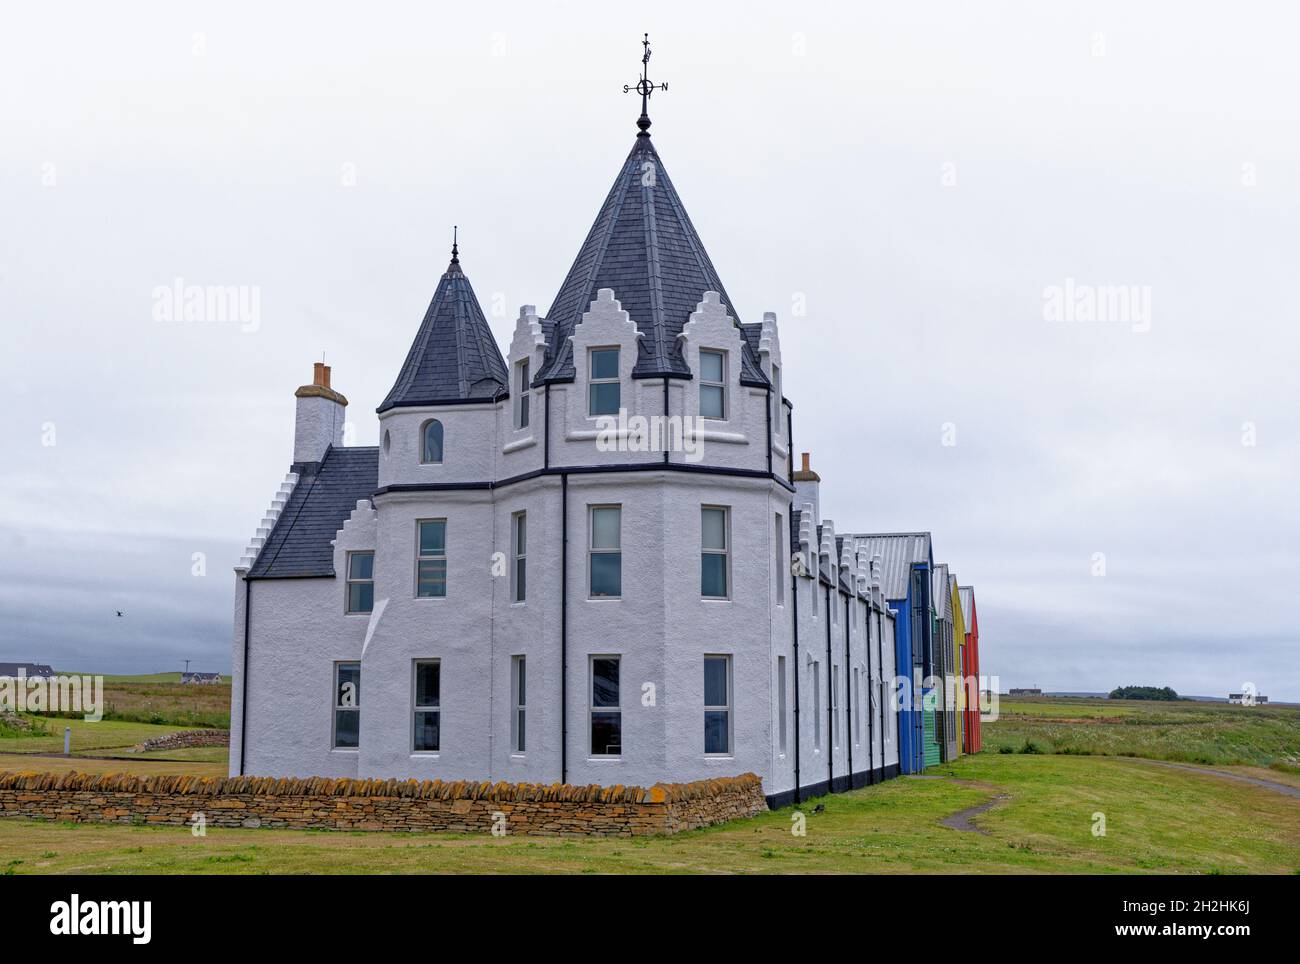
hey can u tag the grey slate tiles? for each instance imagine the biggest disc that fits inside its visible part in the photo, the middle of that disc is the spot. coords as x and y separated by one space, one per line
454 357
644 247
300 544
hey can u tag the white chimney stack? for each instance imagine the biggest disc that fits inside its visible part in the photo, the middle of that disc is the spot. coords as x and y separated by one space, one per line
319 422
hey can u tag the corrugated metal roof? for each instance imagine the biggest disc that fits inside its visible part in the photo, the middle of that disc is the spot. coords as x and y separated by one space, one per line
941 593
966 596
897 550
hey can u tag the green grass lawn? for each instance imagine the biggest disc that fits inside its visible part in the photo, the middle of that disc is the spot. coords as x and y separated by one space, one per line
87 737
1210 733
197 754
140 765
1158 820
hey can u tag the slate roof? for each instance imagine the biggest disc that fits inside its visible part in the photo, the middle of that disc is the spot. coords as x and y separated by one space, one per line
30 670
966 596
299 545
644 247
898 550
454 357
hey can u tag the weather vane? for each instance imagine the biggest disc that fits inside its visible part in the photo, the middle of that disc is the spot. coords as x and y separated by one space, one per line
645 88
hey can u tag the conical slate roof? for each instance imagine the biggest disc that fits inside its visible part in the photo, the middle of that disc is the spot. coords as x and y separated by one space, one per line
454 357
644 247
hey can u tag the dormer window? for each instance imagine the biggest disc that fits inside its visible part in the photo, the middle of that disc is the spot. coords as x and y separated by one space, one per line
521 394
603 396
713 384
431 441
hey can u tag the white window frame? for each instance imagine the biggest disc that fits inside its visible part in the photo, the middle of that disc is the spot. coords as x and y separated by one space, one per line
725 551
349 581
781 708
835 706
424 428
522 393
593 709
720 385
518 556
592 550
857 706
431 557
782 559
336 707
728 708
817 705
519 705
593 380
425 707
889 712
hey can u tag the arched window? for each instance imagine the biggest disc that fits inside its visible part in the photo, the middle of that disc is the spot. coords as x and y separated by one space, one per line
431 441
388 441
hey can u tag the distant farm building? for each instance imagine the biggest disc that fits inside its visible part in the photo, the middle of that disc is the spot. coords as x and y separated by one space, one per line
208 678
30 670
1027 691
1246 699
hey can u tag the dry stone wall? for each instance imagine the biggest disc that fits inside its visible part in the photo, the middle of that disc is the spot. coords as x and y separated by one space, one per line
395 805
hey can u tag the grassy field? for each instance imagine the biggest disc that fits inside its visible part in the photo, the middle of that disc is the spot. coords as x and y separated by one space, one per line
145 678
1158 820
140 766
161 699
135 709
1190 732
104 737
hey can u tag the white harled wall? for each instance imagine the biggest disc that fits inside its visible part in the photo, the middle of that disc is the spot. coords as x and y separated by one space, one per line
661 627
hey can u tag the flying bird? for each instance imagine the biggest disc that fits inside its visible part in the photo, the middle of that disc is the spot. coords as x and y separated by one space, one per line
118 611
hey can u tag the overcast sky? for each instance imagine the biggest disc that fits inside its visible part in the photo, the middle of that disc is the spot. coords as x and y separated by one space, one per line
917 179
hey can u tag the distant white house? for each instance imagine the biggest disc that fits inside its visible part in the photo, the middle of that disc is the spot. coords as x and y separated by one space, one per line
1246 699
201 678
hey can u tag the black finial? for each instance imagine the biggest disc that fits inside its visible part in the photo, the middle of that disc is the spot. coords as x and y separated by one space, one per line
455 251
645 88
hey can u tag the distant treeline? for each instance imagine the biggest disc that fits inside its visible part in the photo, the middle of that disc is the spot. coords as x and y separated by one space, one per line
1143 693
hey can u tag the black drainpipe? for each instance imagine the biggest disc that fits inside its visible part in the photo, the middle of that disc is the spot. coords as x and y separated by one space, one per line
794 605
848 694
243 678
830 696
664 427
564 627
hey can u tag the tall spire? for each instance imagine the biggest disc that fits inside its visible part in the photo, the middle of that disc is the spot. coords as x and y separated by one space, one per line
645 88
455 251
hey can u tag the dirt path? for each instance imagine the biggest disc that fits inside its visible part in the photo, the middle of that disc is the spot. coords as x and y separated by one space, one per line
961 820
1224 774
